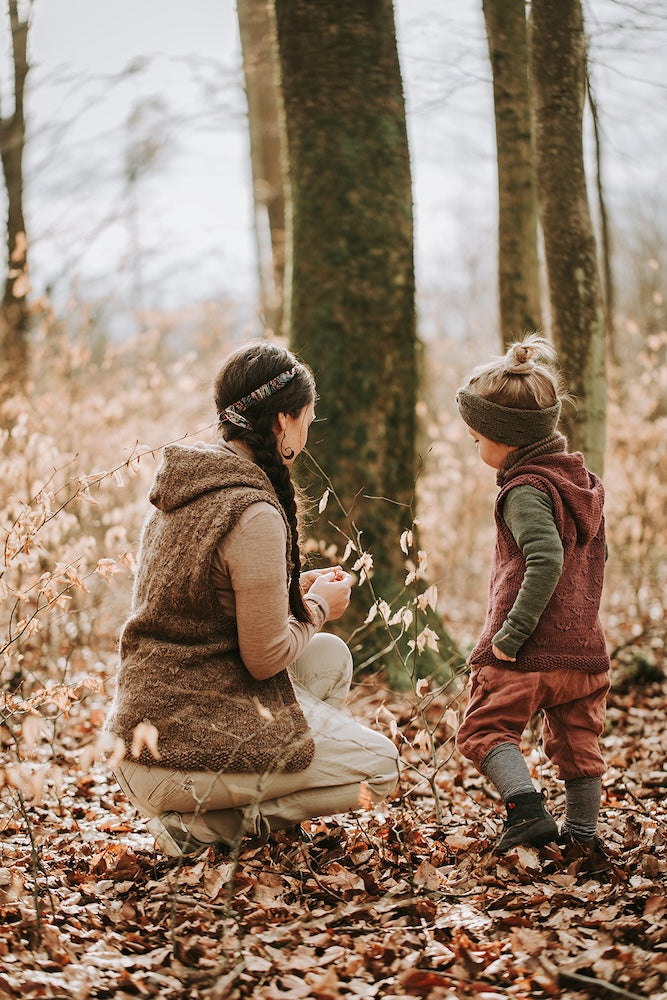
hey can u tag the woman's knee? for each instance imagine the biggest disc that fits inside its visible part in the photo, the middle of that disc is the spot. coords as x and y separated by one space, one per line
335 653
325 668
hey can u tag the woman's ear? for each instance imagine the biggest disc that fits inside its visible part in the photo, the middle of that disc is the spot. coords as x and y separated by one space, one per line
280 422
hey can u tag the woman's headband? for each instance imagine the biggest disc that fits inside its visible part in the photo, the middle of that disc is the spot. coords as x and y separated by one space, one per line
506 424
233 414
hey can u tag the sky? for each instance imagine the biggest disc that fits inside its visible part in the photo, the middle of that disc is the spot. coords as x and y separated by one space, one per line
106 74
101 63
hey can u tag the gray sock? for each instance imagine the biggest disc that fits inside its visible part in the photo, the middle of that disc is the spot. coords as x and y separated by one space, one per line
508 771
582 807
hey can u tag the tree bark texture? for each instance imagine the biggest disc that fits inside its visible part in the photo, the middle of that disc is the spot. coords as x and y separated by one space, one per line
608 290
352 297
518 267
558 63
14 308
266 153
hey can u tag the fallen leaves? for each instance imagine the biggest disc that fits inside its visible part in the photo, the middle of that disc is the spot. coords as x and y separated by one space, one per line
383 903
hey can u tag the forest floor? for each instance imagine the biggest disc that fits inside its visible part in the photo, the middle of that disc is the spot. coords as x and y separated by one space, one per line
383 903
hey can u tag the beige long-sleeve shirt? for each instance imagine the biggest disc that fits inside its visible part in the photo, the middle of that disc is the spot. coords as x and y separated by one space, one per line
248 573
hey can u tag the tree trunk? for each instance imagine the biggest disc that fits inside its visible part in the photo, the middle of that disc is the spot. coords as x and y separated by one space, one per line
608 290
14 307
518 267
352 312
265 126
558 55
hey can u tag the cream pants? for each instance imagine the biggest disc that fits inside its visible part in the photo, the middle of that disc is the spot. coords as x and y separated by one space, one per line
217 806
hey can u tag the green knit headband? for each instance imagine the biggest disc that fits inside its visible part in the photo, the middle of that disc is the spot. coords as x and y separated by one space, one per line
505 424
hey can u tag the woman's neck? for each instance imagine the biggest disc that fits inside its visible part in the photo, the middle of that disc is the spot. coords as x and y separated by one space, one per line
239 448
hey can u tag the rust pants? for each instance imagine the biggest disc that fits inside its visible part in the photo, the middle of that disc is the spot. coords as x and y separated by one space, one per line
502 702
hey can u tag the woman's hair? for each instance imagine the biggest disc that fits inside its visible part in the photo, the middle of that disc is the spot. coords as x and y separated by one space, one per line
244 371
525 378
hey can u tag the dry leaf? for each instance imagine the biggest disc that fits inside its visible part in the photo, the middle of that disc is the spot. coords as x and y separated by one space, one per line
364 799
145 735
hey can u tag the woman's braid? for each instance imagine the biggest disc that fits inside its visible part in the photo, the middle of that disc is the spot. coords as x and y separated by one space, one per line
247 370
262 441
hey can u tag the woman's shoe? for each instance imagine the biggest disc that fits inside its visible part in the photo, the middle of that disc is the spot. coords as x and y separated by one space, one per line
173 838
298 833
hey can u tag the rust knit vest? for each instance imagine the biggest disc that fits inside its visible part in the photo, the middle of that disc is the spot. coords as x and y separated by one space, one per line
569 633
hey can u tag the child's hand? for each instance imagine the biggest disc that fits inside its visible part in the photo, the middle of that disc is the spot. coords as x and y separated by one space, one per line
499 655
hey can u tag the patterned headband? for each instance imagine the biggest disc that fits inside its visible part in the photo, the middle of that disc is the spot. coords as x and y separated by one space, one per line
233 414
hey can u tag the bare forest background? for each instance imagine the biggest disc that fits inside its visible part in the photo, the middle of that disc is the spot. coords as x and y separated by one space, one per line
396 190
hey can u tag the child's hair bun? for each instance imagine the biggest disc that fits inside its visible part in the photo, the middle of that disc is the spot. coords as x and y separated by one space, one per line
522 355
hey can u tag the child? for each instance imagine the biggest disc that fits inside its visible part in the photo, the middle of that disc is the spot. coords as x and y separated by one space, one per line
542 646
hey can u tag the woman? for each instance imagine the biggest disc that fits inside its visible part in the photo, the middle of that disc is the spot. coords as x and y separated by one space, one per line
222 653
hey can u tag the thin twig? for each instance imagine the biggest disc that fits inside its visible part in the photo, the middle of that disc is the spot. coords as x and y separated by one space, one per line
576 977
642 808
330 892
135 456
221 987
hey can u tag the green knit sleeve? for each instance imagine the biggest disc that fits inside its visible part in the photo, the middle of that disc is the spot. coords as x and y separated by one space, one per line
528 513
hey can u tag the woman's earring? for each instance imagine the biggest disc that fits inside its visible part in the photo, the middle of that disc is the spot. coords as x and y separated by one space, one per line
286 452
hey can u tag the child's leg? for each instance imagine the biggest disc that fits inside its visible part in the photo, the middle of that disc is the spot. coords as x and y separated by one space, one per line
571 733
582 807
505 767
501 703
528 821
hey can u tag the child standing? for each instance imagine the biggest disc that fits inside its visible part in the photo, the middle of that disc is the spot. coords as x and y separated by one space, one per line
542 646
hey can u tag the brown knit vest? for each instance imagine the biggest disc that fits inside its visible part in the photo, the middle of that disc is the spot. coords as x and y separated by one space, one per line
180 667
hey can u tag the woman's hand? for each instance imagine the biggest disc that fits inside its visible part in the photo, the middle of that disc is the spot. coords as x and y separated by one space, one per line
335 586
307 579
499 655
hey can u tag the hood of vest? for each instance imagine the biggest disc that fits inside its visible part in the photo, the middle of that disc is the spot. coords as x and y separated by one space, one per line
581 491
187 473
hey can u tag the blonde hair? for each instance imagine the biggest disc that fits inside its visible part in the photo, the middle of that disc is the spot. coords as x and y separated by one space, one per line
526 378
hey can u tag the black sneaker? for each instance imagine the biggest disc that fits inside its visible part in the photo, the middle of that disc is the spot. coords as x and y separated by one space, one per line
589 856
568 839
528 822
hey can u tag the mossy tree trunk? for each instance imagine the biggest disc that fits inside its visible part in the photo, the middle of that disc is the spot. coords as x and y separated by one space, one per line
352 303
265 127
352 315
14 314
518 267
558 66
